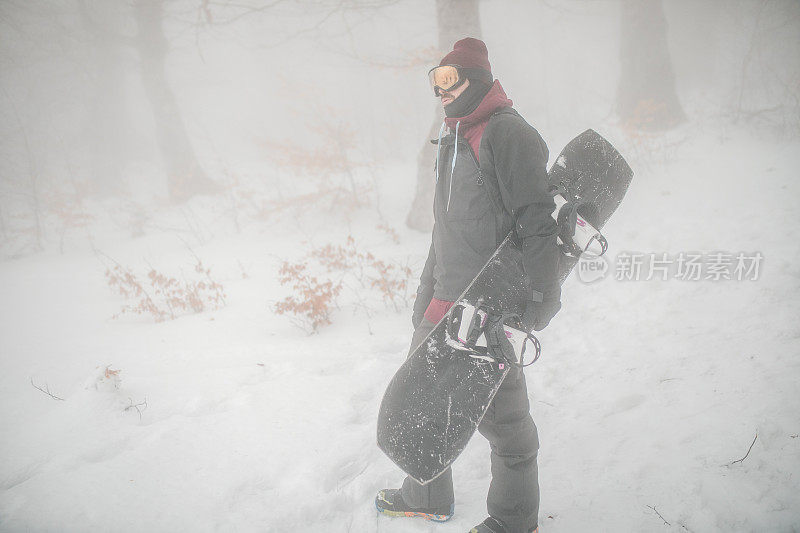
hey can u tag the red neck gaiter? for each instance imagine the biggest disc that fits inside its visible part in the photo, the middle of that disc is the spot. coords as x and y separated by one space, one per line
472 125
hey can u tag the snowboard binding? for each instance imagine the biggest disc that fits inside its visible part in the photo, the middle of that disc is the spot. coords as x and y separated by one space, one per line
484 333
575 234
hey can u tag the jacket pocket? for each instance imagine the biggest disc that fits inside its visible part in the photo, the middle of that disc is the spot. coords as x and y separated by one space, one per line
478 235
467 198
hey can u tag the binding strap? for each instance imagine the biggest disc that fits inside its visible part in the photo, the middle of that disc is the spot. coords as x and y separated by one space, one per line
498 345
567 219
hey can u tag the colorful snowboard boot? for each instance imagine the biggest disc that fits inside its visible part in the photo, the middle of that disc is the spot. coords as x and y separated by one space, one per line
390 502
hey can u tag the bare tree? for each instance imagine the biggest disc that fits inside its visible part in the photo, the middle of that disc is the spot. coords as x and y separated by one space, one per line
185 177
456 19
766 88
107 122
646 97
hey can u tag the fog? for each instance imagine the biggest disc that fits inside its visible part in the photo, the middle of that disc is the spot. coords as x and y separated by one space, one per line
83 82
214 215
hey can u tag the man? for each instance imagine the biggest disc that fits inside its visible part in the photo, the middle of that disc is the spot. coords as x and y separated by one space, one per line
491 178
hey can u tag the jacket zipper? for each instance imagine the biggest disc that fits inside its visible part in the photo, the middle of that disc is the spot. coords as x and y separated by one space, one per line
480 181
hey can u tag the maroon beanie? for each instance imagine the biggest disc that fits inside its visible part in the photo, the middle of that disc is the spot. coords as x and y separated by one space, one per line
469 53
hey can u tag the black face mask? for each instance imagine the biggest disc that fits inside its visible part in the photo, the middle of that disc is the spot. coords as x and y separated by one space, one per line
469 100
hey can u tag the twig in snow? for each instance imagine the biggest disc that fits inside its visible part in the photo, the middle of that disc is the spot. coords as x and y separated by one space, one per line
659 514
46 390
137 406
748 452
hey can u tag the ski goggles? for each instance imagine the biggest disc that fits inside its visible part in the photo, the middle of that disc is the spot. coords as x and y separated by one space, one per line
445 78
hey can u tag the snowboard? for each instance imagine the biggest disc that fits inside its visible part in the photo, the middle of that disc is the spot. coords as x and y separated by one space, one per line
436 400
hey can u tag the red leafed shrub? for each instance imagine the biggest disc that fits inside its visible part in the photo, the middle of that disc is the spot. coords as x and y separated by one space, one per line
164 297
390 280
314 297
312 300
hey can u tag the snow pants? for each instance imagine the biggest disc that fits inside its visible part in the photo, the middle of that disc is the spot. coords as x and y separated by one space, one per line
514 490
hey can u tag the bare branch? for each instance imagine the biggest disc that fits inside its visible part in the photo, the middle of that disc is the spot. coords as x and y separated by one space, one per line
659 514
141 406
748 452
245 10
46 390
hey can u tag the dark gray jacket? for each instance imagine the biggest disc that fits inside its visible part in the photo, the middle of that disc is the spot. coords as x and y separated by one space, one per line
469 223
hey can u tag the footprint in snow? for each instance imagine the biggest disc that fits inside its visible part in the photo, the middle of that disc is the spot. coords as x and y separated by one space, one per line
626 403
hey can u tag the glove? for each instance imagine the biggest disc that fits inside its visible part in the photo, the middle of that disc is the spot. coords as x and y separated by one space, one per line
538 314
424 296
540 311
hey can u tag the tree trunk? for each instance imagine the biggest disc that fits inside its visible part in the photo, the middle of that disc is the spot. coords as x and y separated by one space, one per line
185 177
456 19
646 98
107 122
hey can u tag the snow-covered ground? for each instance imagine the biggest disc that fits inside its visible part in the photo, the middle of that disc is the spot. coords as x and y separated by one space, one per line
645 395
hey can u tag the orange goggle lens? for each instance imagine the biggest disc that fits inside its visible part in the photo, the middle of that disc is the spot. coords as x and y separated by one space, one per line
444 78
